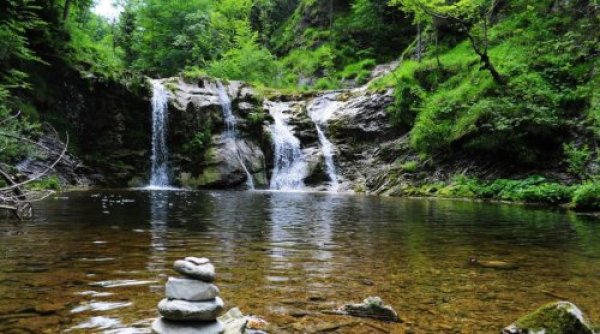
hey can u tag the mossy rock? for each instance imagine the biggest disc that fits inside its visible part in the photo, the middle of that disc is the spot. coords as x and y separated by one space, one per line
554 318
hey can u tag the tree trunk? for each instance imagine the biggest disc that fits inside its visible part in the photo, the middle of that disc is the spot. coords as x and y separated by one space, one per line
66 10
487 65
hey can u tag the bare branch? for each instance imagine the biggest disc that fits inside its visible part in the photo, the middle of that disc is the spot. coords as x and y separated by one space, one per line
33 142
44 172
10 117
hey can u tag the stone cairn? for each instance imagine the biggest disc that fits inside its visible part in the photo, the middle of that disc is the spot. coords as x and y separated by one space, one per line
192 303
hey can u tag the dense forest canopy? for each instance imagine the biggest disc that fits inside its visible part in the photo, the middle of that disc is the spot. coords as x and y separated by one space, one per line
511 80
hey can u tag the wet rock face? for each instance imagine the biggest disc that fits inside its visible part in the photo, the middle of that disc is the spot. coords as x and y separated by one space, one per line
203 156
555 318
363 118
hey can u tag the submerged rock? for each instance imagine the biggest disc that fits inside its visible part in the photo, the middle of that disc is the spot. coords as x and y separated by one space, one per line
163 326
493 264
189 289
554 318
181 310
196 268
372 307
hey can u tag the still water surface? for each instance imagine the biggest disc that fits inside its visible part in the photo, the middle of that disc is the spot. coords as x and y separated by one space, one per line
96 262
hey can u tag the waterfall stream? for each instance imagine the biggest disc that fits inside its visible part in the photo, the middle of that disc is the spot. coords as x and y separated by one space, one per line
159 173
230 130
290 168
320 110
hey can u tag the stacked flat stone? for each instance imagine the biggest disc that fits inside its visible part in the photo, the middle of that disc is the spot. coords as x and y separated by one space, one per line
192 303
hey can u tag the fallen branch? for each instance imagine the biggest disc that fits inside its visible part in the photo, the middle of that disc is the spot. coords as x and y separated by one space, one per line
13 197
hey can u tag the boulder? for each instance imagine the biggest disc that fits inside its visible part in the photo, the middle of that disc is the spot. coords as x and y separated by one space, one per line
190 289
234 321
181 310
198 270
554 318
163 326
372 307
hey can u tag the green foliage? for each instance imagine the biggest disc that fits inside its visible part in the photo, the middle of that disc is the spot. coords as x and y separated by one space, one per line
257 117
47 183
587 196
577 158
534 189
359 71
199 143
410 166
548 66
247 61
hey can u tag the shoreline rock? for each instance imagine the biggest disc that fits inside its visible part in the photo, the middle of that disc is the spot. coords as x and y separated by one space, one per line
559 317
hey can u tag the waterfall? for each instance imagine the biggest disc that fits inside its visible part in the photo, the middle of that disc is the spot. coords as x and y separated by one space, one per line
230 131
159 174
290 168
320 110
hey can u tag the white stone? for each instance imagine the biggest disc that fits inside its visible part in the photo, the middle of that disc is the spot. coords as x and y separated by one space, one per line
195 269
189 289
197 260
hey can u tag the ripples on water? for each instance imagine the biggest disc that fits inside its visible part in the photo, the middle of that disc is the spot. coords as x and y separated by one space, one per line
97 262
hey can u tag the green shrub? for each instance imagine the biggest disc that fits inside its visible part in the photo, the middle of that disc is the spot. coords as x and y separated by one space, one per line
410 166
587 196
359 71
548 193
48 183
199 142
577 158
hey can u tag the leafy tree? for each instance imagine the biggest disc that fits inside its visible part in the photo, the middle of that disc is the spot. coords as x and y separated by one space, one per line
465 14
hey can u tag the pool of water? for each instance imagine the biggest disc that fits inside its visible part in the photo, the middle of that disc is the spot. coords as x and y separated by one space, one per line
96 262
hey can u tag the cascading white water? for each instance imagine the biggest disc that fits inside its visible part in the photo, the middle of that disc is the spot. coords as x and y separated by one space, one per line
290 168
320 110
230 131
159 174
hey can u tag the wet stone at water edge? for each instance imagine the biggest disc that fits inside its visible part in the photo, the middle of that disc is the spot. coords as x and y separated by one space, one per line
192 303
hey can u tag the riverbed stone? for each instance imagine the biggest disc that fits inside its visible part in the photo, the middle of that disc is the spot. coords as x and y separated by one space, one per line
559 317
164 326
196 268
190 289
182 310
372 307
234 321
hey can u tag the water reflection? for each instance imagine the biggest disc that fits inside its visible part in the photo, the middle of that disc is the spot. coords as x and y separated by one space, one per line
159 211
273 251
